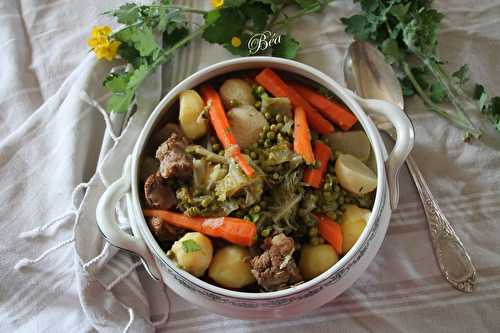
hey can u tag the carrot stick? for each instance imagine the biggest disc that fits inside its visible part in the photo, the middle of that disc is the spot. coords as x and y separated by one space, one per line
331 232
302 136
232 229
222 129
322 153
278 88
335 112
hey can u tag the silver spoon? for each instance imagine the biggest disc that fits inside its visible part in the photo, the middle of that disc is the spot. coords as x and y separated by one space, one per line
367 73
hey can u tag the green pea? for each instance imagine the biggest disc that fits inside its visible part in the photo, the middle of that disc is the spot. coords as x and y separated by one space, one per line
253 155
258 104
266 232
273 127
280 137
270 135
268 143
221 153
264 95
268 115
279 126
279 117
276 176
260 90
247 218
255 209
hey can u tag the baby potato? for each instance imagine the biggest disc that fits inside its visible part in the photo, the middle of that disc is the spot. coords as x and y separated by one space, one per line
315 260
246 124
355 143
191 105
230 269
193 253
236 90
352 223
354 175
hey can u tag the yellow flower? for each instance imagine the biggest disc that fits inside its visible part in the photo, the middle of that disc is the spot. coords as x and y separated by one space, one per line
217 3
103 47
235 41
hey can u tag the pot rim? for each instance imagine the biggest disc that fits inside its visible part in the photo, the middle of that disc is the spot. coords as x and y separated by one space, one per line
245 63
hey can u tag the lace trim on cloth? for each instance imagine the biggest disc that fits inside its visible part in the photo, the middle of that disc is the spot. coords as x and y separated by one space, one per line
74 215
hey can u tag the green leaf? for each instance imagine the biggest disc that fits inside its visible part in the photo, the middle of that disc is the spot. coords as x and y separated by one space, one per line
129 53
142 38
173 37
242 50
258 14
287 48
407 87
120 101
438 93
212 16
190 245
117 82
275 5
478 91
127 13
494 108
360 26
462 75
233 3
400 11
138 75
230 23
391 50
308 4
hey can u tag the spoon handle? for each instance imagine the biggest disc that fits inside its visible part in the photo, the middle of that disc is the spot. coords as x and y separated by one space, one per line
452 257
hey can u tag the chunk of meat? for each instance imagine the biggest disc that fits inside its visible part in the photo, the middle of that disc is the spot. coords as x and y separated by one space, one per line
163 231
275 268
174 162
149 165
162 134
158 194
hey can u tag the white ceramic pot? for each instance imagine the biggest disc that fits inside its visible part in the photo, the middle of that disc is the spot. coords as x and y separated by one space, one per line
278 304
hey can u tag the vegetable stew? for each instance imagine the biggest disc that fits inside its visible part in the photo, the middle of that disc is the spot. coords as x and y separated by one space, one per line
262 181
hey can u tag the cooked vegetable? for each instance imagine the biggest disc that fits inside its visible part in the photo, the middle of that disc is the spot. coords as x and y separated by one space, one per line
191 115
354 175
331 232
193 253
315 260
234 181
246 123
354 143
322 154
222 129
352 223
302 136
333 111
277 104
236 91
278 88
234 230
258 181
230 267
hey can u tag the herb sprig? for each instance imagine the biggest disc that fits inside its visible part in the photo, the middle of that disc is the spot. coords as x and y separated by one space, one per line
406 32
230 25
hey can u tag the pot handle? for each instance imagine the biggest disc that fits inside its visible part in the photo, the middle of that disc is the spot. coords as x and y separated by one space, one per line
404 140
108 225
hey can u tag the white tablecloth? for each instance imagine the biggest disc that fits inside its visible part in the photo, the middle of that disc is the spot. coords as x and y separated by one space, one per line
45 153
